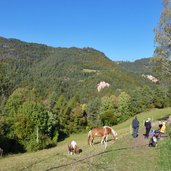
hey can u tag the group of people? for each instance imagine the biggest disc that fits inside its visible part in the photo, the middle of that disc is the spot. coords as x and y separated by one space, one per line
148 126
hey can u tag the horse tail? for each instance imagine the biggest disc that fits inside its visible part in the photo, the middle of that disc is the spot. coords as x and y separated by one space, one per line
89 136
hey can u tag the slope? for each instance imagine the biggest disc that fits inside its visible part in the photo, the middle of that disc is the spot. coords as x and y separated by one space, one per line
67 71
125 154
140 66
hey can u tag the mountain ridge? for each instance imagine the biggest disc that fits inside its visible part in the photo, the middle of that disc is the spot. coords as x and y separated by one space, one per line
67 71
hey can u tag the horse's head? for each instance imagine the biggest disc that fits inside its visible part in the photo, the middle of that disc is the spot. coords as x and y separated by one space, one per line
77 150
111 131
114 133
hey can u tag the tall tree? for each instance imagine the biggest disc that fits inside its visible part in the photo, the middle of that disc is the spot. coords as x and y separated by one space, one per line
124 105
163 46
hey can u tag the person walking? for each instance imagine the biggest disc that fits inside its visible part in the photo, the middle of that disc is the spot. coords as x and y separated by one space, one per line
135 127
147 125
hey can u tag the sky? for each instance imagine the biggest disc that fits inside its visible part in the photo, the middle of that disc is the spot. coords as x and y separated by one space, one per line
121 29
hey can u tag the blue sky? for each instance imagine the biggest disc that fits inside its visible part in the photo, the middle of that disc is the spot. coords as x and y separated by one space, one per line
122 29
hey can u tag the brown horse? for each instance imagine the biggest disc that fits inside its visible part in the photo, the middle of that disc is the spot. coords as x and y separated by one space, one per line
101 132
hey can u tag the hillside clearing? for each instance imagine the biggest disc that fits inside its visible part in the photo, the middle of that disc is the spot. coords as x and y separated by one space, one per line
125 154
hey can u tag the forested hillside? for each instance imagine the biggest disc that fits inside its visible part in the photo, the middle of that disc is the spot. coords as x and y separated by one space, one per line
69 71
48 93
141 66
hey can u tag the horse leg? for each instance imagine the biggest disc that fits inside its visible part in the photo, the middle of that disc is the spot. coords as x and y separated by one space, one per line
106 138
103 139
105 144
92 139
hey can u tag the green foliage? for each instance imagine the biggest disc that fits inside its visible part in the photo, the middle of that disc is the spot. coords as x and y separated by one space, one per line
2 125
140 66
162 54
124 103
49 93
62 70
165 155
108 118
5 85
108 110
24 116
93 108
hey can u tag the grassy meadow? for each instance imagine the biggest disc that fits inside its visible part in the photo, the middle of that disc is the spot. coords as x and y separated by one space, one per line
125 154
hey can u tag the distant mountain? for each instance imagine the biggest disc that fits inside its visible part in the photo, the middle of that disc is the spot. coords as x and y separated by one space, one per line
68 71
140 66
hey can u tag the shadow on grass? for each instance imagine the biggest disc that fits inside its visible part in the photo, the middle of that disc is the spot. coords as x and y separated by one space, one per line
99 142
98 154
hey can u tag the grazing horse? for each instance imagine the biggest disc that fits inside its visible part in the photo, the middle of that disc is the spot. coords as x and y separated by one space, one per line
73 148
101 132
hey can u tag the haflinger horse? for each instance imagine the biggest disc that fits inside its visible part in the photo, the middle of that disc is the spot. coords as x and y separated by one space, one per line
73 148
101 132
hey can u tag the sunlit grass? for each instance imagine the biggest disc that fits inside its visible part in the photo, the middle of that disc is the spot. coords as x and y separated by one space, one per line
96 157
89 70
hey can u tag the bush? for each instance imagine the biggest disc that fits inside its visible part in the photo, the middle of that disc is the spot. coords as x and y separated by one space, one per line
108 118
33 146
44 142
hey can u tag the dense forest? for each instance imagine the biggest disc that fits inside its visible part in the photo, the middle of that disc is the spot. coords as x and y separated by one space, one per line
48 93
140 66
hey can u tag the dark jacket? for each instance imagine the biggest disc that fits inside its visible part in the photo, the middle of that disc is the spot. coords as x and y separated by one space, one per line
135 123
147 124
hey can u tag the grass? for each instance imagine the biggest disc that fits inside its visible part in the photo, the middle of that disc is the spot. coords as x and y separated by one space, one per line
89 70
165 153
126 154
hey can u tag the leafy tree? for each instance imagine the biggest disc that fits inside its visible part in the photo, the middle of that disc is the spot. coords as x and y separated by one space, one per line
53 126
108 118
159 100
162 52
6 85
109 110
2 125
124 106
92 111
58 110
77 121
23 124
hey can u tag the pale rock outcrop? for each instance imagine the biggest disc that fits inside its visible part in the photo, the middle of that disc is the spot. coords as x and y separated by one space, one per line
102 85
152 78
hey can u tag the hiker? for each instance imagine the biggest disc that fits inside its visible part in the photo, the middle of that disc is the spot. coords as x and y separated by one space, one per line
147 125
163 128
153 139
135 126
160 125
